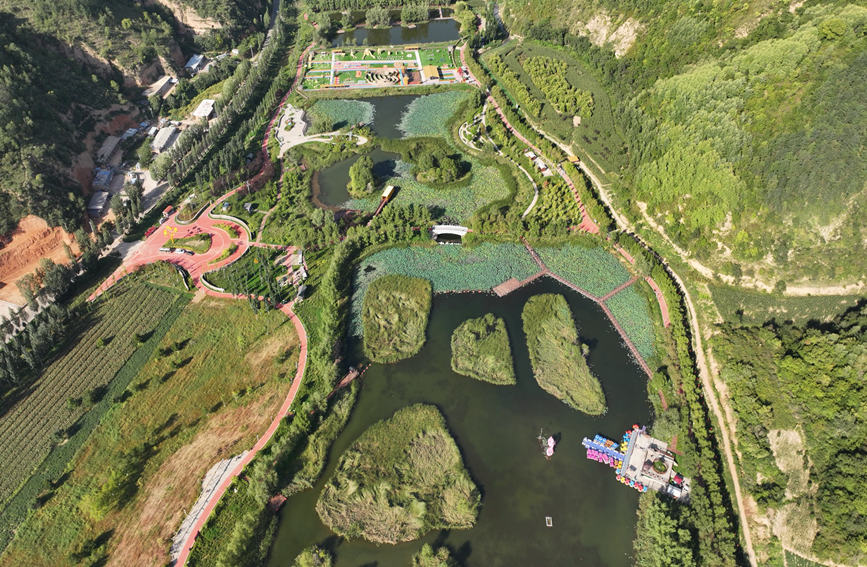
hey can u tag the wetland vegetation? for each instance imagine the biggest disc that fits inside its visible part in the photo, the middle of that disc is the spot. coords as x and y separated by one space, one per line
395 317
480 350
557 355
403 477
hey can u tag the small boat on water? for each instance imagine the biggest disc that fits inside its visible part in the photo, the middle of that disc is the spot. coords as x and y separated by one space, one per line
547 443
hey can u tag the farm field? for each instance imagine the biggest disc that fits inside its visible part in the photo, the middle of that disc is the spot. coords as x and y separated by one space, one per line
79 377
597 132
220 365
632 311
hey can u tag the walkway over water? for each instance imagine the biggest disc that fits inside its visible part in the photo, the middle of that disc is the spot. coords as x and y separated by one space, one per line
455 229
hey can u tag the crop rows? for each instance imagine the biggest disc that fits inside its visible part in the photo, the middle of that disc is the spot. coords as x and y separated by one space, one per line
27 429
592 269
632 312
449 268
429 115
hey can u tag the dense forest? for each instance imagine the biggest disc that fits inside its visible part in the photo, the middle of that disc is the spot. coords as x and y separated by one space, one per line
46 104
63 60
746 123
800 400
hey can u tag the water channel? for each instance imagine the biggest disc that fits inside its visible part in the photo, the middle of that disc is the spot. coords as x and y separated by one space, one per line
496 428
432 32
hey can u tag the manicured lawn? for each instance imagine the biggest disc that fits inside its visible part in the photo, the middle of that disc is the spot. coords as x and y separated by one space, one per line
480 349
556 354
403 477
254 273
394 317
199 243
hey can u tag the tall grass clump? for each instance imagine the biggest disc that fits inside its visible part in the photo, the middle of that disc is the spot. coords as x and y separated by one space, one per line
402 478
394 317
480 350
555 354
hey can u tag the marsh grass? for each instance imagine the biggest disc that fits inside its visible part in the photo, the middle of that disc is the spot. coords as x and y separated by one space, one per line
555 354
394 317
403 477
480 350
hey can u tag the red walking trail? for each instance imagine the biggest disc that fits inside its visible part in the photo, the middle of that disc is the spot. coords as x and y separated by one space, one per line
197 265
587 223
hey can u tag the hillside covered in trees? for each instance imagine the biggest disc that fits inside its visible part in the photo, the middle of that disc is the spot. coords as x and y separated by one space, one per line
60 61
745 123
800 401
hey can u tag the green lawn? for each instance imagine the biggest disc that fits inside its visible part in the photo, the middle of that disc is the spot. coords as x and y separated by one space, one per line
556 354
403 477
480 349
394 317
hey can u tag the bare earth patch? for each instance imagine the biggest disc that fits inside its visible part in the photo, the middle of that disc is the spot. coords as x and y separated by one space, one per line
31 241
601 30
190 18
144 538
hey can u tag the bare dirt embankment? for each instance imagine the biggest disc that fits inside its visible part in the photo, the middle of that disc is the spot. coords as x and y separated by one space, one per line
190 18
31 241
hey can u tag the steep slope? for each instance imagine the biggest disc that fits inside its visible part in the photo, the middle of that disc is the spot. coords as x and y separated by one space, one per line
746 124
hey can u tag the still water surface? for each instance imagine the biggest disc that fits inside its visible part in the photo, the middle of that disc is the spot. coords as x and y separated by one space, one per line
329 184
431 32
496 429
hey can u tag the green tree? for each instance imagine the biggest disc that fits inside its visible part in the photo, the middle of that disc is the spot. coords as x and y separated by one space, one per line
361 180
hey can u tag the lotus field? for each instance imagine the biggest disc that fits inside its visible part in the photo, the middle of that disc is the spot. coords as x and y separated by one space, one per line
631 310
460 203
428 115
61 395
343 112
449 268
592 269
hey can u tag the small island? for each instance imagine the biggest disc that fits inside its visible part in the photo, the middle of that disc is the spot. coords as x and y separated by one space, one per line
394 317
401 478
480 350
555 354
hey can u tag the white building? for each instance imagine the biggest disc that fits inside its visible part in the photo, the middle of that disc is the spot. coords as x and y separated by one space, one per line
205 109
164 139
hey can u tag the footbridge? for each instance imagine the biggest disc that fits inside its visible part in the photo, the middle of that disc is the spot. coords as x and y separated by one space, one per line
453 229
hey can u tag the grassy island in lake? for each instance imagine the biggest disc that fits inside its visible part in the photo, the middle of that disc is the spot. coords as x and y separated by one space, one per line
480 350
555 353
401 478
394 317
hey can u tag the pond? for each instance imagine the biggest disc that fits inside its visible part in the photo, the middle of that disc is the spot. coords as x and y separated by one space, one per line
329 184
496 428
432 32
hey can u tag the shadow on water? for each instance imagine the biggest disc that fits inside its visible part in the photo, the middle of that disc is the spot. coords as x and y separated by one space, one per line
496 428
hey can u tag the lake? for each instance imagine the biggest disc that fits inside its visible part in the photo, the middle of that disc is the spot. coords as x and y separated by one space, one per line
329 184
496 429
432 32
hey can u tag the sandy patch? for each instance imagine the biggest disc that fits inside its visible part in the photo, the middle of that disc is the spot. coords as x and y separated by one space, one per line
144 536
602 31
788 448
31 241
190 18
269 349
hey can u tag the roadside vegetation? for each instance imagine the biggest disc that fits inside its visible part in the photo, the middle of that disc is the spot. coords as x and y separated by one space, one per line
403 477
199 243
481 350
394 317
556 354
